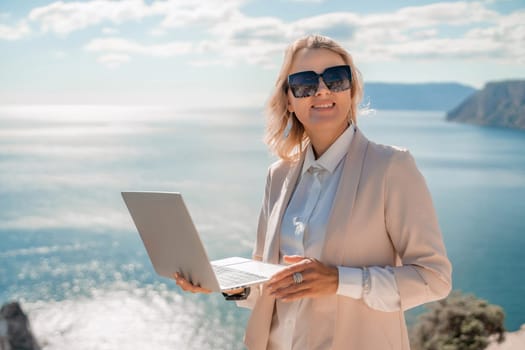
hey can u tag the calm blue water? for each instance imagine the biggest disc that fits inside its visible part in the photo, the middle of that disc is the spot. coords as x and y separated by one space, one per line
70 253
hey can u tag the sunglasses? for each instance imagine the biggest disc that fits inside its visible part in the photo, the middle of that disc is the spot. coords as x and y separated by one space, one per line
305 84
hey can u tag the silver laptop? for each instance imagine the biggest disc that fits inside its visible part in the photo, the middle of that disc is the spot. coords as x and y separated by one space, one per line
173 245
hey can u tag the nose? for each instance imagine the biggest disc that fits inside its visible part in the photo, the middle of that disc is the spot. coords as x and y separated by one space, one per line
322 88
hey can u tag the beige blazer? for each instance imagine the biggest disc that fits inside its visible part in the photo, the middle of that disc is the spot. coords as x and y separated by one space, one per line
382 215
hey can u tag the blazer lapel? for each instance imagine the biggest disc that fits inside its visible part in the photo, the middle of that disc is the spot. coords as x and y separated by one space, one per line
271 246
341 212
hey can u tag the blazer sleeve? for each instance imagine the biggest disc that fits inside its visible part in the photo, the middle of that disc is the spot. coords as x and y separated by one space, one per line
424 272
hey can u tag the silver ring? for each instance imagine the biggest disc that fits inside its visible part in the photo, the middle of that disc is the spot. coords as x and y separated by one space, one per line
298 277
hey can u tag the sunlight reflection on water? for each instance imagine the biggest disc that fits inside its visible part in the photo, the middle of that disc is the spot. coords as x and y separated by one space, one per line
130 317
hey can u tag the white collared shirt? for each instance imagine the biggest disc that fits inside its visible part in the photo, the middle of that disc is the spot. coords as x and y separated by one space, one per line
303 232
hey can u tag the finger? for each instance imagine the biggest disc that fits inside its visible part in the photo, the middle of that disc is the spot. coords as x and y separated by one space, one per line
292 259
195 288
280 281
199 289
182 282
289 282
290 270
188 286
178 278
291 290
234 291
280 284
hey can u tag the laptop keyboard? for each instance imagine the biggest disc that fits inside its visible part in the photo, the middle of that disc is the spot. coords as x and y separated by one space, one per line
228 276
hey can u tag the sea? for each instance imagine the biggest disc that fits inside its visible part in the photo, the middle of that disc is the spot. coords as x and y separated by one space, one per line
70 254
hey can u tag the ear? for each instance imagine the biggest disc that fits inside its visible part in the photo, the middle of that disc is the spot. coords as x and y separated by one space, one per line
289 106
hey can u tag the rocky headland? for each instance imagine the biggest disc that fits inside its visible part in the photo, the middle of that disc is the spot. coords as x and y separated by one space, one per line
499 104
15 330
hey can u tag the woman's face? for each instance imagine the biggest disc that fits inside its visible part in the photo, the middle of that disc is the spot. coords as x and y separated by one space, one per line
326 113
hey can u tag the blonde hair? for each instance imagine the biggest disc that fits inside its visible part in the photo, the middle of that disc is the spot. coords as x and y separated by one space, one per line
285 135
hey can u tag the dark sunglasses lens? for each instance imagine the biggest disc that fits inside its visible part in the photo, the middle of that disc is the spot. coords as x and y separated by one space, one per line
337 78
303 84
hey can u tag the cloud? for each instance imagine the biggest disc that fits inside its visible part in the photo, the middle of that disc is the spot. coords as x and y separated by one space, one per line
117 50
245 39
113 60
324 22
442 13
158 32
445 48
418 32
509 32
64 18
204 13
16 32
110 31
128 46
222 34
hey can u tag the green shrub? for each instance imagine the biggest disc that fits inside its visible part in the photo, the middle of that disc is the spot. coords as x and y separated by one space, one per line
459 322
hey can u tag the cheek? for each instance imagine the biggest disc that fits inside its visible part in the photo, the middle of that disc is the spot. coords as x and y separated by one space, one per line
346 103
300 109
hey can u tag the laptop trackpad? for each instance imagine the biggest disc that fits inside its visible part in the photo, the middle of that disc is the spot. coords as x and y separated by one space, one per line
248 265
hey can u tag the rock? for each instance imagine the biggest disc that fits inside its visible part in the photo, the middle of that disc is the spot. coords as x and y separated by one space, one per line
15 330
4 341
497 104
513 341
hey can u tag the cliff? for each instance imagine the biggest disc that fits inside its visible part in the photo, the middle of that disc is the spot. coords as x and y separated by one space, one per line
15 331
497 104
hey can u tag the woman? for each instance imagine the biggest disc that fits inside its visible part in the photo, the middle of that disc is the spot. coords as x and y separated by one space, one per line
353 219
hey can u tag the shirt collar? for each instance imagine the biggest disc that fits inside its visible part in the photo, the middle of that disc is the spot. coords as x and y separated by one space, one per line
333 155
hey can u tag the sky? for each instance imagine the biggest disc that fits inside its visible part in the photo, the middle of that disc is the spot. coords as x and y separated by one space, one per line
209 53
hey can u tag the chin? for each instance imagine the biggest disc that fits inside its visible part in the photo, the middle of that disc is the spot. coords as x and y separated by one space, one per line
328 120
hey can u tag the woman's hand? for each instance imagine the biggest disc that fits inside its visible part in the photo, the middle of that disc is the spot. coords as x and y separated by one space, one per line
318 279
187 286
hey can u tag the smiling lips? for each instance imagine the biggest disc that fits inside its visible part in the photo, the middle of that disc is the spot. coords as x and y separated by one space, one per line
324 106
